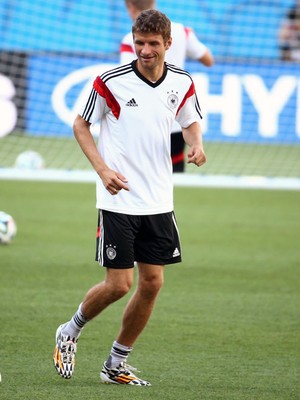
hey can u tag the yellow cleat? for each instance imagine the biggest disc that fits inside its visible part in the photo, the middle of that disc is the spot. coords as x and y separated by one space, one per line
121 375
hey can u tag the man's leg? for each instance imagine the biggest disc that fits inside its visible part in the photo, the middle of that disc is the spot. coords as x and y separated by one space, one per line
141 304
135 318
116 284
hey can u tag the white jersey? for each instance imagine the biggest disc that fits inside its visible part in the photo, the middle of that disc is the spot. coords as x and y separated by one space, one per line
136 117
185 44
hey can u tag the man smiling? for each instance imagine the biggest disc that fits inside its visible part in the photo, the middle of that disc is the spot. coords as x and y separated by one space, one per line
136 105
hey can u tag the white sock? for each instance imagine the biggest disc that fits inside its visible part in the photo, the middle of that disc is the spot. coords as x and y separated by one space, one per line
76 324
118 354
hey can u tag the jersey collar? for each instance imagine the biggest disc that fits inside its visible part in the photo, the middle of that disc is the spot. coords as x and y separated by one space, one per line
153 84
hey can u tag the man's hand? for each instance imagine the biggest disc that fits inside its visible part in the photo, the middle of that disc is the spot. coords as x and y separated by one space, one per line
193 137
196 155
113 181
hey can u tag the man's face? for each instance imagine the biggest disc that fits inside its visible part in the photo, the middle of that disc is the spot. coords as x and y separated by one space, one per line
150 49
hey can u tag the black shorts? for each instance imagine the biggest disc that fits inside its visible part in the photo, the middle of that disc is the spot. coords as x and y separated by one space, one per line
123 239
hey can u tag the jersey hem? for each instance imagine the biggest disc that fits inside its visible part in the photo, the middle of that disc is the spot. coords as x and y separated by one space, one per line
136 211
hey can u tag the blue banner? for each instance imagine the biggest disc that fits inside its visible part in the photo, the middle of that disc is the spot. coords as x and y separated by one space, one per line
255 103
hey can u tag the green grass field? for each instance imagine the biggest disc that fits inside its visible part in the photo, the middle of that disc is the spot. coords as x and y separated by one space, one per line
226 325
223 158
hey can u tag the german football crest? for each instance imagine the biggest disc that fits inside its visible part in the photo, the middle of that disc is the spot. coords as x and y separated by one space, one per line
172 100
111 252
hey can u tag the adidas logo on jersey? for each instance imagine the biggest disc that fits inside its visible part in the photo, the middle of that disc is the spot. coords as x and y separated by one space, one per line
176 253
132 103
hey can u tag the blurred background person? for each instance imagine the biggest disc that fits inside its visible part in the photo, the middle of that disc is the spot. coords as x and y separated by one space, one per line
289 35
185 45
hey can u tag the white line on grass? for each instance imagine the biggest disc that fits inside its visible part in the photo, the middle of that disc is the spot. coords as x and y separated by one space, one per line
185 179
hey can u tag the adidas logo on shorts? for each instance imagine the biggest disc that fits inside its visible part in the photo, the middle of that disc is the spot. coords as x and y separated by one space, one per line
176 253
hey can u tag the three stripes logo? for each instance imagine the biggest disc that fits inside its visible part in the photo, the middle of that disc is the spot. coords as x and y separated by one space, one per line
176 252
132 103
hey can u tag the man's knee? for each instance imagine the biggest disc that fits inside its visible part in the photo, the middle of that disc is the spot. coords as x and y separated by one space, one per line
119 290
118 284
151 285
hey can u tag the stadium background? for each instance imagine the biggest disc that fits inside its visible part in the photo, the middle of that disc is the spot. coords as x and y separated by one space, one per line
226 326
49 51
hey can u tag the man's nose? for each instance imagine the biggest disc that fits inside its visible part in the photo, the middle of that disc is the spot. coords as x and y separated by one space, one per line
146 49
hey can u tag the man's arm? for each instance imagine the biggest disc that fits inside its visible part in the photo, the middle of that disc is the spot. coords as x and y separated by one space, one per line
193 137
112 180
197 50
207 59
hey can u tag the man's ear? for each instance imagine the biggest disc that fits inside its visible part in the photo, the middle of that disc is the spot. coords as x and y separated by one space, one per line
168 43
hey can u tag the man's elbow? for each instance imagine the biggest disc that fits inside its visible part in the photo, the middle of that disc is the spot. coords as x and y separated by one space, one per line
207 59
210 62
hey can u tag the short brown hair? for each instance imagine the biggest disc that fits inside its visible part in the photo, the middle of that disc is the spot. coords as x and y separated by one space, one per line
153 21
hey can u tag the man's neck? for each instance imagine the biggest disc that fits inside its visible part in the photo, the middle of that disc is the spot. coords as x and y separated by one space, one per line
152 75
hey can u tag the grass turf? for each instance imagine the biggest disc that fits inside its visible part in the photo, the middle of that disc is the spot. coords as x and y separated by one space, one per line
226 325
223 158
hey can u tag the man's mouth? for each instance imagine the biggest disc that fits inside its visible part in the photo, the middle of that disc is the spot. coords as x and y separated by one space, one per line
147 58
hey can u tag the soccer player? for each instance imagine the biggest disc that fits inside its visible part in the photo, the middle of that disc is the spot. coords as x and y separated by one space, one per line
136 105
185 45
